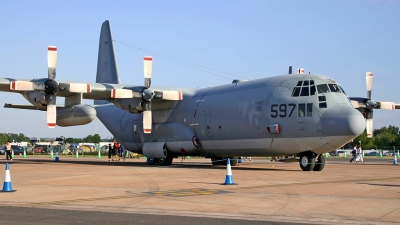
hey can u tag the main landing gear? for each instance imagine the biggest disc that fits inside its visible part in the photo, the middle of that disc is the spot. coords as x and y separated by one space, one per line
222 161
311 161
167 161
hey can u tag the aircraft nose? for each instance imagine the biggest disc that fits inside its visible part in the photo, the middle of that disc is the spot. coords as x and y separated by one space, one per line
342 121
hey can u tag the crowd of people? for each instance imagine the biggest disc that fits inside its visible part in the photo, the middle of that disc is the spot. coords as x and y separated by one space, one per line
115 151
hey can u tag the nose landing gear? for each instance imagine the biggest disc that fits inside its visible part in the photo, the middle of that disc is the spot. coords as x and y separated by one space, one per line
311 161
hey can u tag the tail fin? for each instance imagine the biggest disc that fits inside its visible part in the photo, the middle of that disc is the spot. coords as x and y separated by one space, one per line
107 71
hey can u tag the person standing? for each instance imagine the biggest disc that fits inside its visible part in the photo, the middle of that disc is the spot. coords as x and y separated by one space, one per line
354 153
120 151
110 152
8 151
116 147
359 155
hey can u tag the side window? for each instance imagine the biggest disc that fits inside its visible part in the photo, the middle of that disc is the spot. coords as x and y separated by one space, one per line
309 109
302 110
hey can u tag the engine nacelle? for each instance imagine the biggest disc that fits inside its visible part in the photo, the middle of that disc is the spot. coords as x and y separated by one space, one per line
155 150
36 98
131 105
75 115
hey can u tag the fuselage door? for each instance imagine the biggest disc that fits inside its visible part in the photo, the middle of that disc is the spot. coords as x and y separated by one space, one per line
208 125
137 131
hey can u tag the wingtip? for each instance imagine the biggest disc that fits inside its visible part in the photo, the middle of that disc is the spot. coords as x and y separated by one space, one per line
51 125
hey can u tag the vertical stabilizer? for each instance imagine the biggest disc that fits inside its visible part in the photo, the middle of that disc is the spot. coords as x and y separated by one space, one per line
107 71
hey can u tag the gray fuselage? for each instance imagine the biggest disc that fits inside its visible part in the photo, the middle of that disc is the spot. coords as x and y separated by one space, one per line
281 115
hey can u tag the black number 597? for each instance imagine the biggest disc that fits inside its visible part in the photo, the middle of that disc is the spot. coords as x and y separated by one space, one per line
281 110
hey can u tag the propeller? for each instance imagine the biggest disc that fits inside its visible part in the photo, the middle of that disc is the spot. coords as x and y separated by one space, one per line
146 94
50 86
366 105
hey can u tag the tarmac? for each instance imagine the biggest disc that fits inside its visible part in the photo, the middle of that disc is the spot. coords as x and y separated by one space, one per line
89 190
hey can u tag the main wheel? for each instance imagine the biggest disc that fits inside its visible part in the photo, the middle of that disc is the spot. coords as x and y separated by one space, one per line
307 161
151 161
320 163
218 161
167 161
234 161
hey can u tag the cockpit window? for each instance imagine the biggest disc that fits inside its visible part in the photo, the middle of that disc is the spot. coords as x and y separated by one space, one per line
296 92
305 91
304 88
341 89
334 88
323 88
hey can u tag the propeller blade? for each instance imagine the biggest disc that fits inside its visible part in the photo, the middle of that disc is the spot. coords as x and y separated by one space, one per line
147 121
147 65
75 88
168 95
386 105
18 85
369 76
51 111
125 93
369 127
52 62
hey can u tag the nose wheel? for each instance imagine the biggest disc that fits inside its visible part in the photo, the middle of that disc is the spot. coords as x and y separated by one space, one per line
307 161
319 163
310 161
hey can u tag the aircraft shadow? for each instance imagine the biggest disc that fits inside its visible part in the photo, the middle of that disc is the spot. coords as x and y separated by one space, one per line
194 165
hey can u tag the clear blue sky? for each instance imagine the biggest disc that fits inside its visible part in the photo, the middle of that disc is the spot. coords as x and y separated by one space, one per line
252 39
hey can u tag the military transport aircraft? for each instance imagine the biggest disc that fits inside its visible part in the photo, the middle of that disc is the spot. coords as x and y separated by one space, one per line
298 116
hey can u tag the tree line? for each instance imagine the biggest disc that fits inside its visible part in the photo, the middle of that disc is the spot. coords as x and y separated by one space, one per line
384 138
4 137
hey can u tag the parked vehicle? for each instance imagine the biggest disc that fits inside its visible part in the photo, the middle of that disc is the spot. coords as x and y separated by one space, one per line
39 150
373 154
18 150
2 151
